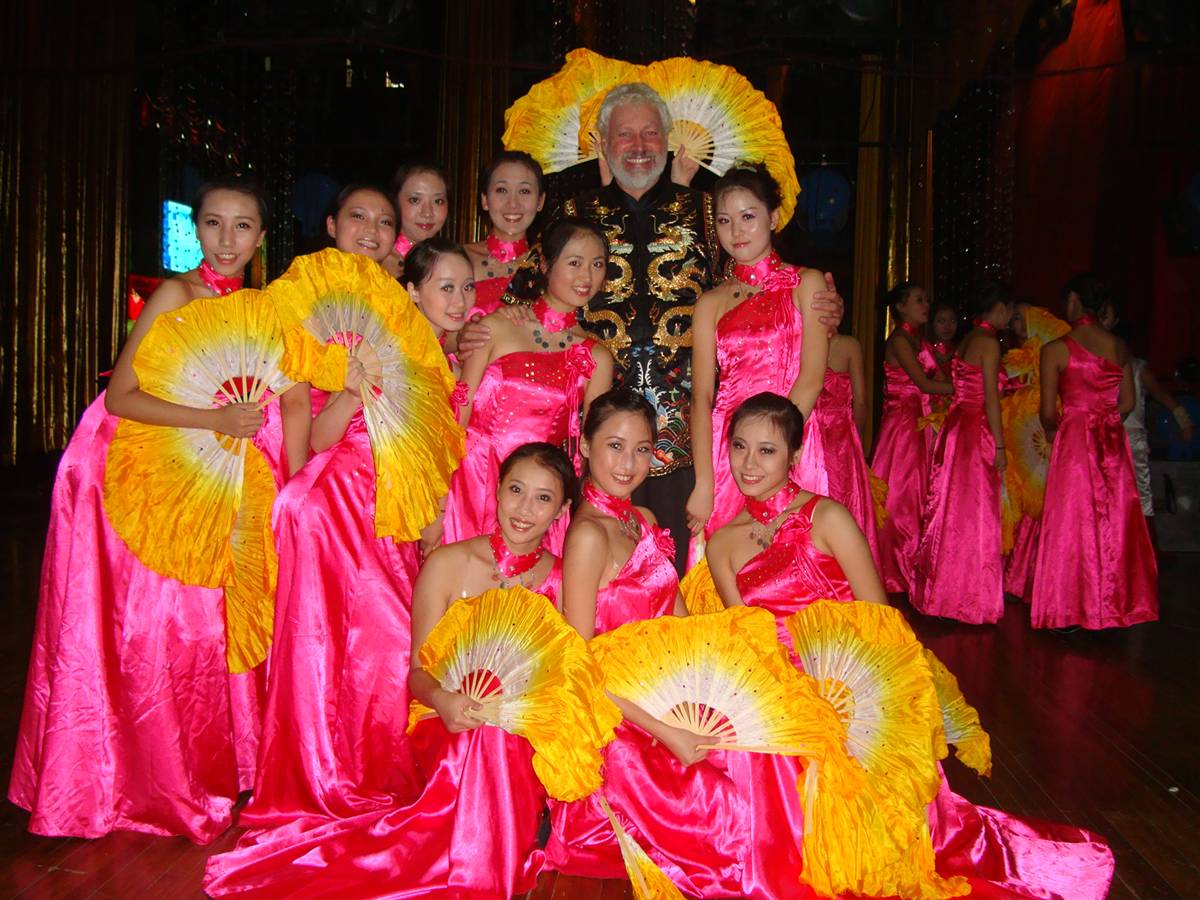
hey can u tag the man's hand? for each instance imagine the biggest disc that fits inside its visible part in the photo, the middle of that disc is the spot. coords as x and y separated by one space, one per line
606 175
830 305
684 168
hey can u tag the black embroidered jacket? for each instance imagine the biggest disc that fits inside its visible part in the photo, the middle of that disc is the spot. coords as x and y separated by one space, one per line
663 254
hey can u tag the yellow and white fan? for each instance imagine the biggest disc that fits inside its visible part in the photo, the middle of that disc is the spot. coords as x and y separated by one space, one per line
699 591
545 122
723 675
192 504
960 720
649 882
513 653
344 300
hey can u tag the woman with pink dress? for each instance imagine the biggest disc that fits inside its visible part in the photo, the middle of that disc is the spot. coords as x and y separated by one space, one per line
334 740
903 447
532 380
132 720
1095 563
959 569
789 549
473 828
832 462
512 192
757 331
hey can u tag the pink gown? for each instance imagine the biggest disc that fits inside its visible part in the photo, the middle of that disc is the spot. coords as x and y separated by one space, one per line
522 397
758 349
832 462
692 821
131 718
959 567
334 740
901 458
1095 564
999 854
471 832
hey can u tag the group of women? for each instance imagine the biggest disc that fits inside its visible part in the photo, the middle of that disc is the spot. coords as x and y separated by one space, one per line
133 721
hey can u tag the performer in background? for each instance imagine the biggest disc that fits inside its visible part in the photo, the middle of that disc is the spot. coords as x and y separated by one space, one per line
512 193
902 450
1095 564
131 718
422 201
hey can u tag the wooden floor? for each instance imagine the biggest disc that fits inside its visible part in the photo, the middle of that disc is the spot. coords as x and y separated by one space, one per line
1098 730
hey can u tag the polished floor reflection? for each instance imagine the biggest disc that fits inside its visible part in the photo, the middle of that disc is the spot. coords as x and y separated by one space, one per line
1098 730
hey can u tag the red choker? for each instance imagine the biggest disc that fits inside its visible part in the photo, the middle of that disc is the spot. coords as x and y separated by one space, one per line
509 564
986 326
553 320
1086 319
911 330
216 282
769 273
505 251
403 245
767 511
618 508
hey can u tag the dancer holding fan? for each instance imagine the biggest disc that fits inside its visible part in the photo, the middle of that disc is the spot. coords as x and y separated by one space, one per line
348 527
758 330
512 193
132 719
902 450
533 379
474 774
787 554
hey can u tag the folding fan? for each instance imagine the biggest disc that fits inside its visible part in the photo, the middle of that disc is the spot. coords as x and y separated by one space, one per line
960 720
698 590
545 122
346 300
649 882
723 675
191 504
513 653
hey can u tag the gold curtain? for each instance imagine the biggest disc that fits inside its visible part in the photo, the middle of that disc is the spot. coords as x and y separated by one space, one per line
64 143
869 219
474 96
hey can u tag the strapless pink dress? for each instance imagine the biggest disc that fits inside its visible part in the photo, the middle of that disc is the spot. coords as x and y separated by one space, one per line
901 458
337 708
959 567
1095 564
758 349
522 397
131 718
832 462
999 854
471 832
693 821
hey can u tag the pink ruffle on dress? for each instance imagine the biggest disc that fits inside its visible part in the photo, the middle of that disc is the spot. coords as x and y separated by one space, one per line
959 567
131 718
901 458
691 820
472 831
832 462
1001 855
1095 564
758 349
522 397
334 740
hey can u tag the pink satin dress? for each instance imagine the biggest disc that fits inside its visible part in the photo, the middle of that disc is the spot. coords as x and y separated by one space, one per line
832 462
522 397
471 832
902 453
131 718
959 567
488 294
758 349
334 741
691 820
1002 856
1095 564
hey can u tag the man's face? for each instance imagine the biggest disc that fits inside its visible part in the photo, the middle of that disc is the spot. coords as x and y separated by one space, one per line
635 147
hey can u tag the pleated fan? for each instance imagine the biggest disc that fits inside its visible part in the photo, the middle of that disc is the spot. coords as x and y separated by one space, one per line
513 653
192 504
649 882
345 300
960 719
698 590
